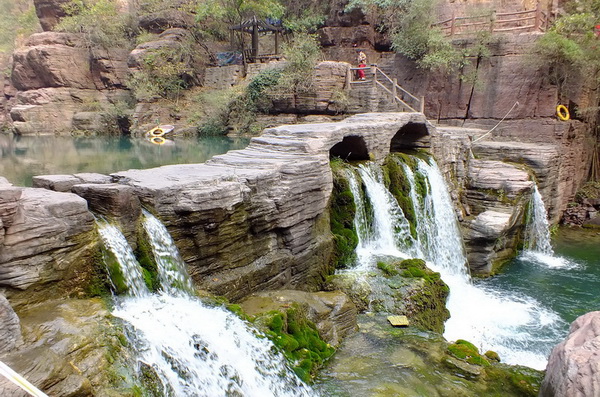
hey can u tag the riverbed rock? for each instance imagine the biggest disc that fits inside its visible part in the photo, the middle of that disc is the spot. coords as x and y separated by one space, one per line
9 198
574 365
65 183
70 349
48 247
333 312
10 327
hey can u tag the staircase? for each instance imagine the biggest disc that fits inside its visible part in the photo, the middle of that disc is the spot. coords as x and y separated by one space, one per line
379 93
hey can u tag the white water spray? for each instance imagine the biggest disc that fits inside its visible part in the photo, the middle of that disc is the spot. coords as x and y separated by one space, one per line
191 348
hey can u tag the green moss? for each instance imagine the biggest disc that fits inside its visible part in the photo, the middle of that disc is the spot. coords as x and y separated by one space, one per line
492 356
466 351
298 339
145 258
342 212
387 269
397 183
99 282
513 380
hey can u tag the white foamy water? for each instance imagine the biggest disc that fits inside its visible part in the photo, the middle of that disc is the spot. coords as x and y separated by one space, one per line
130 269
192 348
502 321
204 351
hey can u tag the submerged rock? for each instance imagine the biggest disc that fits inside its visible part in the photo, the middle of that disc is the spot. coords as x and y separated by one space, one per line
574 364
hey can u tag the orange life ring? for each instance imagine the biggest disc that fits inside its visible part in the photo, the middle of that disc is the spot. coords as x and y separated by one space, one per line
157 131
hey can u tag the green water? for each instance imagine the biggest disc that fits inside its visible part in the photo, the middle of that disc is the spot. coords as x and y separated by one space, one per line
568 291
22 157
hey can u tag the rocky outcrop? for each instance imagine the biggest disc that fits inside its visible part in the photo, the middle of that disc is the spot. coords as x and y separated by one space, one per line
573 366
56 77
48 246
333 312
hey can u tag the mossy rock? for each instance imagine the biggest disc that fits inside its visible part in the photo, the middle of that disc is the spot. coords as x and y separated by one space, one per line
467 352
342 212
298 339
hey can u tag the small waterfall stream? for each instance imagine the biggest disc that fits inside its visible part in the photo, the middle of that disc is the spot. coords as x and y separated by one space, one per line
193 349
538 248
508 323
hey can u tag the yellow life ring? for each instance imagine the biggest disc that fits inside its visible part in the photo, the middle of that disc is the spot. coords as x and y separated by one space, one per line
563 113
158 140
157 131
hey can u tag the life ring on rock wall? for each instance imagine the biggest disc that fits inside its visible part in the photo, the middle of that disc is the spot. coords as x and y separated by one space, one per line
158 140
563 113
157 132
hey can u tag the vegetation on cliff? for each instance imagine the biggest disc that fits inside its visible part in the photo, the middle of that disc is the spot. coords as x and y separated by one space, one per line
17 21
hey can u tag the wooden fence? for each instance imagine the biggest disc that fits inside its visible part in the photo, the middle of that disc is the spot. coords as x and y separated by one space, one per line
535 20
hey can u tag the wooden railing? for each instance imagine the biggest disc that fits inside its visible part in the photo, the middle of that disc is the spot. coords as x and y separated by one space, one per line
379 80
535 20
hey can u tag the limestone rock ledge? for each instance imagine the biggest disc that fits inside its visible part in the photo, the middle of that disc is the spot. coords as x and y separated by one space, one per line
46 246
574 365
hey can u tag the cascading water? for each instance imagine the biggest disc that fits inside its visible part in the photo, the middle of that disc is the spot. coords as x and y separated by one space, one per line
383 231
538 248
515 326
191 348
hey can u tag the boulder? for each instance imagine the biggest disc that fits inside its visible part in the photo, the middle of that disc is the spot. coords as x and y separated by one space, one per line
10 327
50 245
169 39
333 312
52 59
574 365
9 198
49 12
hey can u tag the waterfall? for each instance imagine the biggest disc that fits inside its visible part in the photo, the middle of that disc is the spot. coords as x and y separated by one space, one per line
538 248
382 228
172 272
125 271
191 348
514 325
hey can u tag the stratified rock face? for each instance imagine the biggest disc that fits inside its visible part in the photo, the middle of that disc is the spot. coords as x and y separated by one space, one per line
256 219
10 327
47 244
333 312
49 12
574 366
56 77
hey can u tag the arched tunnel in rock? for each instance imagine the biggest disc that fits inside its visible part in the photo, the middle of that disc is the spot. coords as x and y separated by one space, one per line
351 148
410 136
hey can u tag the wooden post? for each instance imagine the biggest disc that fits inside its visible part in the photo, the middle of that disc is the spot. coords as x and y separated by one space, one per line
374 71
255 42
452 24
276 42
492 21
422 104
538 17
348 79
394 85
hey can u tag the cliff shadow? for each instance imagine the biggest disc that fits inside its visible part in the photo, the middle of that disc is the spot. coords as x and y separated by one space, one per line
411 136
351 148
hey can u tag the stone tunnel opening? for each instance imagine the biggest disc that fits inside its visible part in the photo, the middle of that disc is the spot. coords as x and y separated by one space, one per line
410 136
351 148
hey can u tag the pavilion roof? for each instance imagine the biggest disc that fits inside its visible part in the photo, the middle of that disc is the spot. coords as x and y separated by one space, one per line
263 26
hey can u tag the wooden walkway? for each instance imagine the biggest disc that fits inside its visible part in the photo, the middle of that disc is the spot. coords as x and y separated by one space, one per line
534 20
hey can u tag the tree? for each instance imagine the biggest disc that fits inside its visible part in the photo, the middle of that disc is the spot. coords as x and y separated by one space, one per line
17 20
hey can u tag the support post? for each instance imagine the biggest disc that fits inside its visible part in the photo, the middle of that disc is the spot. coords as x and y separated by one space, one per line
255 42
276 42
394 85
452 24
422 104
374 72
538 17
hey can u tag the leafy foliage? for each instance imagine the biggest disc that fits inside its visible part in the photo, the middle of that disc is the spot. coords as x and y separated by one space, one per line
409 24
17 20
164 72
100 21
